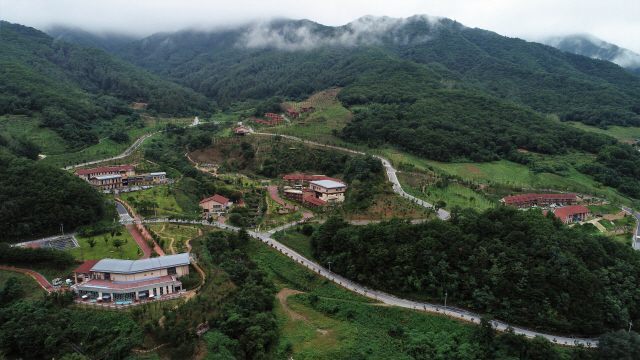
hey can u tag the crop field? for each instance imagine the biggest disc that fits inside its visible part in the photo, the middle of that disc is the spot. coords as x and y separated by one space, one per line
629 133
21 125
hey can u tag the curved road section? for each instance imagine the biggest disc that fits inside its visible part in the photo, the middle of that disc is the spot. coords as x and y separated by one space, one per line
384 297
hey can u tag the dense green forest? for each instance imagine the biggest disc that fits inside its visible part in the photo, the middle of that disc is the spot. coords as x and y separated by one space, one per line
76 90
295 58
35 199
521 267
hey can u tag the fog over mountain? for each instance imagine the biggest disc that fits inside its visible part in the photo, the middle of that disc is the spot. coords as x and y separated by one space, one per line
591 46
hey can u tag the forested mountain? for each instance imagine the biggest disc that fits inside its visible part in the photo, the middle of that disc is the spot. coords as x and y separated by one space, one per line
75 89
297 58
591 46
109 42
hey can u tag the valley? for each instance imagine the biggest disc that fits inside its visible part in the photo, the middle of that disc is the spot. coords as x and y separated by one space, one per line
462 197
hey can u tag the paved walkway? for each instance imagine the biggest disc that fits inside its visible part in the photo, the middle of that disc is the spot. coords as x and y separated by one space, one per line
143 245
273 190
39 278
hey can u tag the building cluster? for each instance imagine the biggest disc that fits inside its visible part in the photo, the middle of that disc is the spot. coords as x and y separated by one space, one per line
530 200
322 190
309 109
292 113
214 205
241 131
125 281
116 177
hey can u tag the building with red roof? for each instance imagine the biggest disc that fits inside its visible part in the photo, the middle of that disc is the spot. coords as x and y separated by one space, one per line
571 214
299 179
240 131
105 171
528 200
214 204
314 202
84 271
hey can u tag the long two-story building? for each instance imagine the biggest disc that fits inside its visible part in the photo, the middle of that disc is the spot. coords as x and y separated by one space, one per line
528 200
116 177
130 280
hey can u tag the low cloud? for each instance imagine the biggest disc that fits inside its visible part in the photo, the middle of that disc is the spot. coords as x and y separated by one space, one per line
306 35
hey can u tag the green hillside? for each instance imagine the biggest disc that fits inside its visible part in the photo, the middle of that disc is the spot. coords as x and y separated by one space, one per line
77 91
297 58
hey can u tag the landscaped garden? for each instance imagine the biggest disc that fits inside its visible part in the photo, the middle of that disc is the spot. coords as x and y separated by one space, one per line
117 245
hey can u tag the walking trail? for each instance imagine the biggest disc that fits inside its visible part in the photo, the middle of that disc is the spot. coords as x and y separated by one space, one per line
282 296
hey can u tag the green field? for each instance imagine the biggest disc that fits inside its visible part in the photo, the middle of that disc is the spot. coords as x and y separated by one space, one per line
21 125
452 195
295 240
604 209
163 195
30 287
622 133
101 250
179 233
107 147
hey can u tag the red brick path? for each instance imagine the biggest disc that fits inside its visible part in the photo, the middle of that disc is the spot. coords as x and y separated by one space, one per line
274 195
136 235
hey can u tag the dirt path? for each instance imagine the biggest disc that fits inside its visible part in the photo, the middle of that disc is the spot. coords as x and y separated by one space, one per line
282 296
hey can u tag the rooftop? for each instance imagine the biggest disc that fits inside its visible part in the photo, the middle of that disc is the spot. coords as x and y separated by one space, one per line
104 169
86 267
136 266
216 198
328 184
315 201
122 285
158 173
107 177
563 212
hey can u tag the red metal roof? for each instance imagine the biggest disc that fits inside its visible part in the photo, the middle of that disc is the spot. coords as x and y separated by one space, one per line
217 198
104 169
315 201
86 267
562 213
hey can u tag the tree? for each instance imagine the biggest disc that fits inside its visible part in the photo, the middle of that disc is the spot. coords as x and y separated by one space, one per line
441 204
106 239
620 345
92 242
117 243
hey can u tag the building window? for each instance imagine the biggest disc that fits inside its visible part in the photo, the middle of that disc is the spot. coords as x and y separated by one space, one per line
171 271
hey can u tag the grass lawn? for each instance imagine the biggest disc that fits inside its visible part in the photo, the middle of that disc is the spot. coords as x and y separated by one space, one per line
179 233
295 240
130 250
622 133
625 221
452 195
30 287
604 209
163 195
606 223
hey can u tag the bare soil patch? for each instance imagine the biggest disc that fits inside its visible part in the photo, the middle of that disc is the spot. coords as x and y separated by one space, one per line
473 169
282 296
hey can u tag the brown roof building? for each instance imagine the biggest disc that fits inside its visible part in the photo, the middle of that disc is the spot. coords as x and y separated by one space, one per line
571 214
528 200
214 204
299 179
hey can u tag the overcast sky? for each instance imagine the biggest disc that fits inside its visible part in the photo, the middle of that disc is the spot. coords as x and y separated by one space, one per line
615 21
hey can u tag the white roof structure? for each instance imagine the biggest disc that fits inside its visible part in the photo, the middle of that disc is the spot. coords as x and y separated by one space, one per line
107 177
136 266
328 184
158 173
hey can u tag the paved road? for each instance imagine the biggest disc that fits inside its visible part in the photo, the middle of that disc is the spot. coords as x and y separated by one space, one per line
122 211
391 174
381 296
636 243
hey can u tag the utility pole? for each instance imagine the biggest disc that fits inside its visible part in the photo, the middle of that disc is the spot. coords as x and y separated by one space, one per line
329 262
630 325
62 228
445 301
